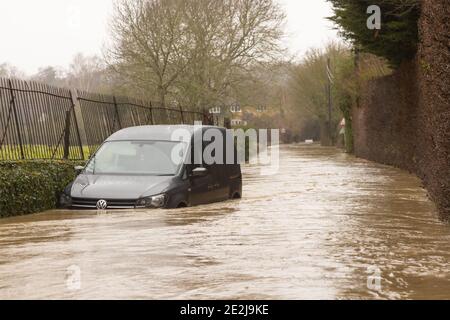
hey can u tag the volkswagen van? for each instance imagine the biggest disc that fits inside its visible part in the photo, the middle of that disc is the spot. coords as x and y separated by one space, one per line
155 167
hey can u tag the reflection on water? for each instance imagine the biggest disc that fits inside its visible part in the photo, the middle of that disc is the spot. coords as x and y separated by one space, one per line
318 229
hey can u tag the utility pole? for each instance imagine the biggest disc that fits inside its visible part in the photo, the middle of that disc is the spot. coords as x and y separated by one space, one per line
330 82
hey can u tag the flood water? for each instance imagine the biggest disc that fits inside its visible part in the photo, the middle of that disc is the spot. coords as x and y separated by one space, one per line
328 226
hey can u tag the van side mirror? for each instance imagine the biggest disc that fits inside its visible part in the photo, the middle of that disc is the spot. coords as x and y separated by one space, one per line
78 169
199 172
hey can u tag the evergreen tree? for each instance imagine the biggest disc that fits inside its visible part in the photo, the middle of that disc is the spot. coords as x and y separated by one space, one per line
396 40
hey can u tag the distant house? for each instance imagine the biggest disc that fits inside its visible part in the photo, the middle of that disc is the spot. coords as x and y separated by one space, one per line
237 116
261 109
241 116
238 123
215 110
236 109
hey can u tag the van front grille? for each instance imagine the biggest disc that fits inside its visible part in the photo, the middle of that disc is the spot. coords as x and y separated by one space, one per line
112 204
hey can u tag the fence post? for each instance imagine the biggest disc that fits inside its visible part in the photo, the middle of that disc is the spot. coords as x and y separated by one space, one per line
227 123
205 117
117 112
152 121
77 129
67 136
208 118
182 115
16 118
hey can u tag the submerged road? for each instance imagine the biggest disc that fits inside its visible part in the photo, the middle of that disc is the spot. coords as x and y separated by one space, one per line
327 226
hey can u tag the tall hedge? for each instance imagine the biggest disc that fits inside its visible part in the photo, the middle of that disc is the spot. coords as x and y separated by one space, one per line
32 186
398 38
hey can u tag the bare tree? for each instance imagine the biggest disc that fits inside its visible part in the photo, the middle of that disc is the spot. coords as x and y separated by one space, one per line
230 36
193 50
149 39
49 75
87 73
308 82
9 71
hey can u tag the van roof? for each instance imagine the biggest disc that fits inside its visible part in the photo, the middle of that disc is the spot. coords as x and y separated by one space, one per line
156 132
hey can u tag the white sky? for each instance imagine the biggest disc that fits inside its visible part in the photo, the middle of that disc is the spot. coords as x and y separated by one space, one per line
37 33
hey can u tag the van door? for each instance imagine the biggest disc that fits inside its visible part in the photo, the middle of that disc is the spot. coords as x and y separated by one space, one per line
219 171
202 189
219 175
213 187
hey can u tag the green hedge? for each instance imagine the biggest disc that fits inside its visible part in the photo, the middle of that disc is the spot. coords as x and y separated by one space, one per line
32 186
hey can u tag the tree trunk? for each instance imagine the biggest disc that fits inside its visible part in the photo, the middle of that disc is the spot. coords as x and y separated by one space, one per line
325 134
162 96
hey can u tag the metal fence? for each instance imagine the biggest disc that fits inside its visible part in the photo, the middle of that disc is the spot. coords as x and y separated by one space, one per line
38 121
102 115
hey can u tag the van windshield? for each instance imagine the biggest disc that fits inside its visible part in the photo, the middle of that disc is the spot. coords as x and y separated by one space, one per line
154 158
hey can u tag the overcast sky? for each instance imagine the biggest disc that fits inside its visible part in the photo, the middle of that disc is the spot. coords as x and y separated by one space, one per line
36 33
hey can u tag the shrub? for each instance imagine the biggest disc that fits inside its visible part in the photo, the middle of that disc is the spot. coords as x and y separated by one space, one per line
32 186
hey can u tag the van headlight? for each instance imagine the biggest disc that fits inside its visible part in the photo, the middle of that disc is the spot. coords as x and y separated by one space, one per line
157 201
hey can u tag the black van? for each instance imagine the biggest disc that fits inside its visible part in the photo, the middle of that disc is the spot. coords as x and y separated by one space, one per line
135 168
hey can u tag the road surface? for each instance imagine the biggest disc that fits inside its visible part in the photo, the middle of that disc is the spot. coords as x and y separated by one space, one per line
327 226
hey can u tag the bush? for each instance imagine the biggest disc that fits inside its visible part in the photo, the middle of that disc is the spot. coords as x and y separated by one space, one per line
32 186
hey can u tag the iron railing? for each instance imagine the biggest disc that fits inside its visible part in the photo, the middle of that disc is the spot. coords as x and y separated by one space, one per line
102 115
38 121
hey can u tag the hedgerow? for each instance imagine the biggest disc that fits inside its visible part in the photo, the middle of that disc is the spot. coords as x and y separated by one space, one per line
32 186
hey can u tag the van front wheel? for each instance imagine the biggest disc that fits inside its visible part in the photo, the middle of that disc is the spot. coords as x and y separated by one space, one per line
182 205
236 195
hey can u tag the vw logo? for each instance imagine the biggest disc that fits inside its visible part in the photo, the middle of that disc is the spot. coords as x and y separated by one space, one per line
102 204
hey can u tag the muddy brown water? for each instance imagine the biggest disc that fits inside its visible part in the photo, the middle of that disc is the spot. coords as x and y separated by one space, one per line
328 226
